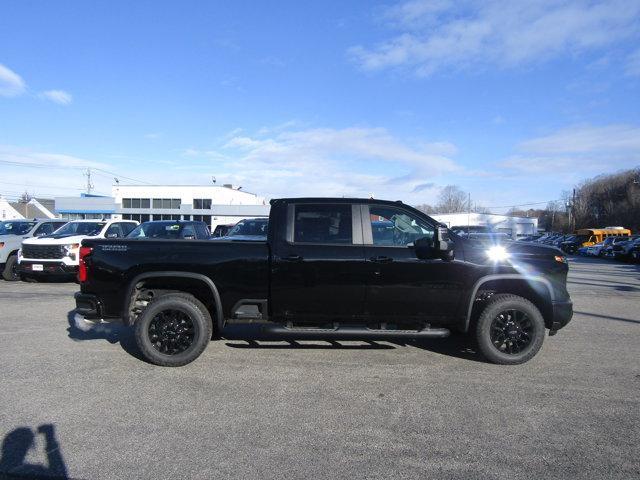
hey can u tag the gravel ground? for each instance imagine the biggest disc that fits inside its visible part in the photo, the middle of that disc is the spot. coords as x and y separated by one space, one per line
82 403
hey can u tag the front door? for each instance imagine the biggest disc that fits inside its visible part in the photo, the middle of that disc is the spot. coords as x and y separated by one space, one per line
318 273
401 288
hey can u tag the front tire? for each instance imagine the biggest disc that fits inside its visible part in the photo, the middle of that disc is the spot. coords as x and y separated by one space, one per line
173 330
10 272
510 330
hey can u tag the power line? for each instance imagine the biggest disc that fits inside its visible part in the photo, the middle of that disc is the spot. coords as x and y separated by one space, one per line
42 165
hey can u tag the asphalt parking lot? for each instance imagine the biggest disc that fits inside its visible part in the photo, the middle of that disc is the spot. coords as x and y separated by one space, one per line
347 410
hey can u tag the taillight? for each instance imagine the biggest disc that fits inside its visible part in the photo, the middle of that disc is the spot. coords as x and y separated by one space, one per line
83 273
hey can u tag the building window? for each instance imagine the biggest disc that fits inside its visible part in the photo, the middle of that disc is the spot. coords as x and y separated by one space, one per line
203 218
139 217
202 204
136 203
167 203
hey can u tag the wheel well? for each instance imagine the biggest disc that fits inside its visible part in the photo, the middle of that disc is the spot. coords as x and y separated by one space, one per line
533 290
146 289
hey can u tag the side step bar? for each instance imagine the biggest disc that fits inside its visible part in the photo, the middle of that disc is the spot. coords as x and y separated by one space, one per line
350 333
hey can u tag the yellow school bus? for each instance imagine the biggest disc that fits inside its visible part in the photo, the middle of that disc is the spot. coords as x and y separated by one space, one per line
591 236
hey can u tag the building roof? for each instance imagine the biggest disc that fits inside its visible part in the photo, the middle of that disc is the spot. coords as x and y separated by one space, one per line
34 208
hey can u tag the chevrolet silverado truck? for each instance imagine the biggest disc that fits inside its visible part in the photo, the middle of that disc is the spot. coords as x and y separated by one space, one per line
57 254
324 273
12 233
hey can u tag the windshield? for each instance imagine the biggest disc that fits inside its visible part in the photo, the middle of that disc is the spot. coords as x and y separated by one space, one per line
89 229
249 227
15 228
156 230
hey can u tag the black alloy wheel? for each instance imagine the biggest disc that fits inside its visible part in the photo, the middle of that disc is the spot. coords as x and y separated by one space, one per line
511 331
171 332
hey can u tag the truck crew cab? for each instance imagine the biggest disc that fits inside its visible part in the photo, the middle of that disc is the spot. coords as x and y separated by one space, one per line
325 273
12 233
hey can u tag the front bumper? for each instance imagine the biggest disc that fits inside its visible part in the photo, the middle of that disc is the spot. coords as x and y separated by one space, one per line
562 313
48 268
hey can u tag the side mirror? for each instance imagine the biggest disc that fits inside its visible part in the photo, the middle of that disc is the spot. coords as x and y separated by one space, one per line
424 248
444 246
437 247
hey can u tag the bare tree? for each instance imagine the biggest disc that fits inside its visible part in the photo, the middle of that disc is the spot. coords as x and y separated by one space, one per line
426 208
452 200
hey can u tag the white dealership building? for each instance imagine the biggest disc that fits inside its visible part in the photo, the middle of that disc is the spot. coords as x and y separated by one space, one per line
213 204
514 227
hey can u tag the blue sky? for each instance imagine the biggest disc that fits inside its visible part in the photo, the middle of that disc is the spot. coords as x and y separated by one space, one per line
512 101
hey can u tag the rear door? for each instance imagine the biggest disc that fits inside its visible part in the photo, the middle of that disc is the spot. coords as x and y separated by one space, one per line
318 265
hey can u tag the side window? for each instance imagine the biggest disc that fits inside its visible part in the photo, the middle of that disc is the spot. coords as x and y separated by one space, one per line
188 232
393 227
44 229
203 232
127 228
322 224
113 231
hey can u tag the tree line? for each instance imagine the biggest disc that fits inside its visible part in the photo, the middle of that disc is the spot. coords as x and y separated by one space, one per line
603 201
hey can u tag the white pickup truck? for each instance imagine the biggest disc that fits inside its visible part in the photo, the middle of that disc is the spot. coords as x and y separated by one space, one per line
58 253
13 233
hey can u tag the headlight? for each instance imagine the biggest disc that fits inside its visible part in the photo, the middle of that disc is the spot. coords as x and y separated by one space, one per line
70 250
498 253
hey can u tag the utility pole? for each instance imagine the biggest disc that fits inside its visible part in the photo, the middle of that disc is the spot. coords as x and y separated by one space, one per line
469 213
573 210
89 184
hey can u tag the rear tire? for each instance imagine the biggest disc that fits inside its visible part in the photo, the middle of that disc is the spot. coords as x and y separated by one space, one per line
10 272
173 330
510 330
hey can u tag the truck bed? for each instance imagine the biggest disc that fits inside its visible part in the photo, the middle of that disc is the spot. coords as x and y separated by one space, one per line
239 270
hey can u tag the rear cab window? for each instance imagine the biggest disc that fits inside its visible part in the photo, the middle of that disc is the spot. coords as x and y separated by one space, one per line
322 224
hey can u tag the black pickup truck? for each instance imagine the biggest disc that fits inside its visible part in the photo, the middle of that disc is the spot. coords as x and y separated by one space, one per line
329 269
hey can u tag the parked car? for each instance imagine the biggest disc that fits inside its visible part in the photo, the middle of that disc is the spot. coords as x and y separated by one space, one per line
222 230
57 254
172 230
12 233
249 229
598 249
620 247
322 274
634 254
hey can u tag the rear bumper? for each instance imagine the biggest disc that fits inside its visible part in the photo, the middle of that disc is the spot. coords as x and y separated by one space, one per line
48 268
562 313
88 306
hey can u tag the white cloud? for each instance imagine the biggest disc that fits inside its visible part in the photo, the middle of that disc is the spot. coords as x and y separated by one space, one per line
587 139
445 35
578 151
57 96
11 84
354 161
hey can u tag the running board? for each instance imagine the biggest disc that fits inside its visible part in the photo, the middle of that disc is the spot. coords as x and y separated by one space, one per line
350 333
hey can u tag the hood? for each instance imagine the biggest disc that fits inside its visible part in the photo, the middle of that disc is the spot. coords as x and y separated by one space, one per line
478 248
13 238
56 240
